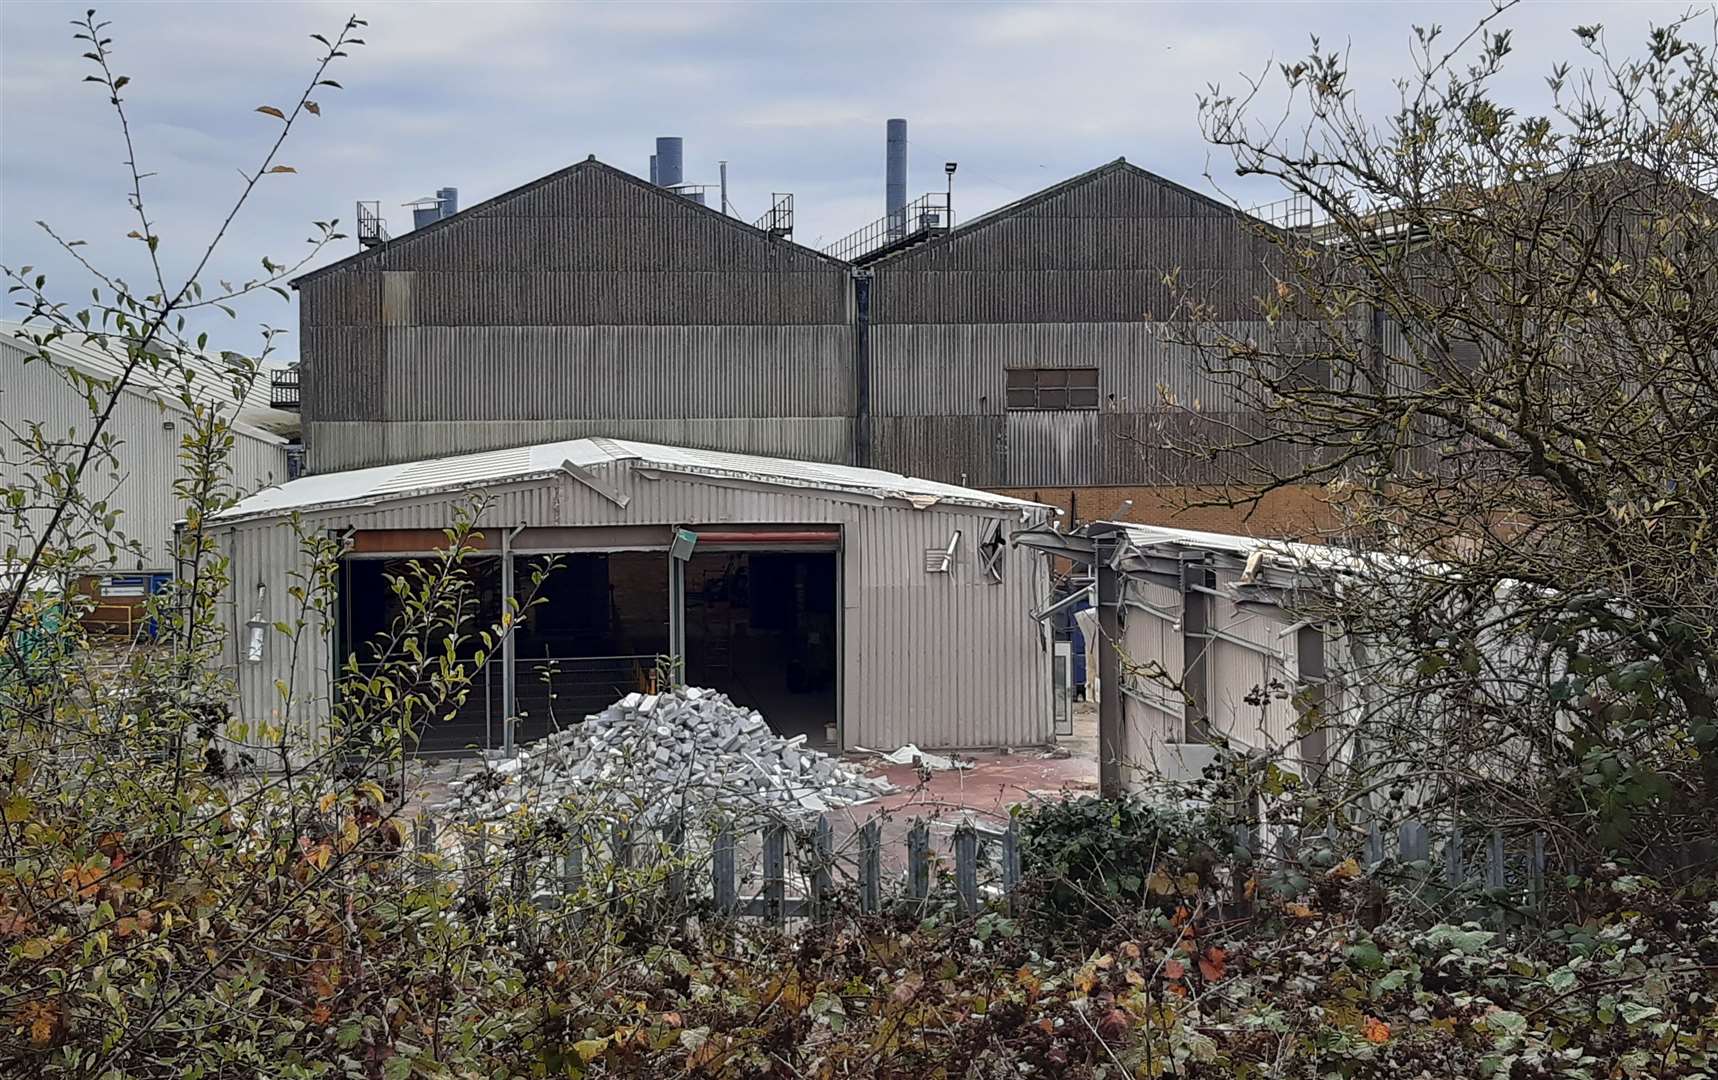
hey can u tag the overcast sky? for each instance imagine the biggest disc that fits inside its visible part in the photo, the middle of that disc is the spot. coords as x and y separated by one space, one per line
794 95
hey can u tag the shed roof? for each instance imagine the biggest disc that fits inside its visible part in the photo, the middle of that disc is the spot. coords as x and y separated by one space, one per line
432 476
212 378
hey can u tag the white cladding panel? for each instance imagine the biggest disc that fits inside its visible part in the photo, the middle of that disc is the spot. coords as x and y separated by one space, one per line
139 485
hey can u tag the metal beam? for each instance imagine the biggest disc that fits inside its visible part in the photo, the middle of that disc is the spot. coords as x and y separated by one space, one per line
1310 698
1080 549
509 699
1195 645
1111 731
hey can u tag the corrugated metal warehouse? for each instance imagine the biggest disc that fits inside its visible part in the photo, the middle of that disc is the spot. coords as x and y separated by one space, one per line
149 424
1025 350
588 302
873 606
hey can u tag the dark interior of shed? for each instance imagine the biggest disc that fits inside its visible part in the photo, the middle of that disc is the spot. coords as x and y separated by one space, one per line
760 627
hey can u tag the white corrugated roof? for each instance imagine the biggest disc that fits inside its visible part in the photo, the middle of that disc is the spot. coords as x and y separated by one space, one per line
468 471
1232 543
1283 552
213 377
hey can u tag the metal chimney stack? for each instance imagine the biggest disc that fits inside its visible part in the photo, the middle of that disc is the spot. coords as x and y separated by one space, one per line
429 211
669 160
895 179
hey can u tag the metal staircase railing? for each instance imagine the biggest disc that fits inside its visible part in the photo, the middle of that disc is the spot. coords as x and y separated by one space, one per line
922 217
778 220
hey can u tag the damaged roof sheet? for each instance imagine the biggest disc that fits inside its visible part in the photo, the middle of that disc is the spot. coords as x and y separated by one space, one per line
361 487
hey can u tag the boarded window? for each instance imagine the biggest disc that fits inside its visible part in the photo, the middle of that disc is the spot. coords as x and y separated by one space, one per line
1052 388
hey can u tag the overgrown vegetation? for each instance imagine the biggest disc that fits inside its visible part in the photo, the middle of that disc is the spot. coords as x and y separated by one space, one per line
184 896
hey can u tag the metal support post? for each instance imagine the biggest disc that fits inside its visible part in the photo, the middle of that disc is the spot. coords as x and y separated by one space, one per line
509 672
1111 735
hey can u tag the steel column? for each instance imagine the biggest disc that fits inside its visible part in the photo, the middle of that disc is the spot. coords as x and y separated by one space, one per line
1111 733
509 613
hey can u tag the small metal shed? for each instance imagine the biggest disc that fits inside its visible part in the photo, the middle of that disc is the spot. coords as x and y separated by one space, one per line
879 608
1201 635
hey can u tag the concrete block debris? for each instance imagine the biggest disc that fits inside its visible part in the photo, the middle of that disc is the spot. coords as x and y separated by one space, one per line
651 756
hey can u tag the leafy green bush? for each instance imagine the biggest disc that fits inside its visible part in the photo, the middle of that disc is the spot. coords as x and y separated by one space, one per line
1098 858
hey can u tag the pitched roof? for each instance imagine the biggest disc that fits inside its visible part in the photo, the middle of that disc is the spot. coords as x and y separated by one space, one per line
212 377
1037 198
590 163
434 476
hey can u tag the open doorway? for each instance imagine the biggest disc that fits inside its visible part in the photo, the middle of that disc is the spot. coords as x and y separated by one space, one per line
595 634
371 619
763 628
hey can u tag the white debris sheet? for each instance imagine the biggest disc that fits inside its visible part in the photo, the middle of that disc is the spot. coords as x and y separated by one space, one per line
689 751
912 755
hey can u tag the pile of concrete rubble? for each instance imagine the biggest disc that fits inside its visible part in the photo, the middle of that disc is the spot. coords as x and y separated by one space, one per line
690 751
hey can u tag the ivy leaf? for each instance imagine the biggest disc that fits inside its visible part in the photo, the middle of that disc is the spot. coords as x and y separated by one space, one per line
313 108
1364 955
1506 1022
588 1049
1211 965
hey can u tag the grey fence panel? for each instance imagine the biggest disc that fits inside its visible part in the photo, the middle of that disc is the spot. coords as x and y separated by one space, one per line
725 889
1503 881
919 861
871 866
423 835
966 867
775 873
823 849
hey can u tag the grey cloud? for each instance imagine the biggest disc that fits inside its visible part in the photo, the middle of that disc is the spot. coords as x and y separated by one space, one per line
487 97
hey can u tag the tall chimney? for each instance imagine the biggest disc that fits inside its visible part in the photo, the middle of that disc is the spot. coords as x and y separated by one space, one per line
653 168
895 179
669 151
449 197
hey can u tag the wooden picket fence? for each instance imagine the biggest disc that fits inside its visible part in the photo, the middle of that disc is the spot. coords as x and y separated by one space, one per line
795 880
799 875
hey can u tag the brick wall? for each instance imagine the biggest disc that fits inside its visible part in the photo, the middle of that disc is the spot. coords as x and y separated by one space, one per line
1298 513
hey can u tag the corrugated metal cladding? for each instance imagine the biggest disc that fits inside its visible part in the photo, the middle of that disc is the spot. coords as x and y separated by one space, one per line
589 295
1072 277
1153 712
1095 249
946 660
140 486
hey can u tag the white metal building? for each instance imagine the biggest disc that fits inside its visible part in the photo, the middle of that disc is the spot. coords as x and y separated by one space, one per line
864 605
1203 635
148 425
